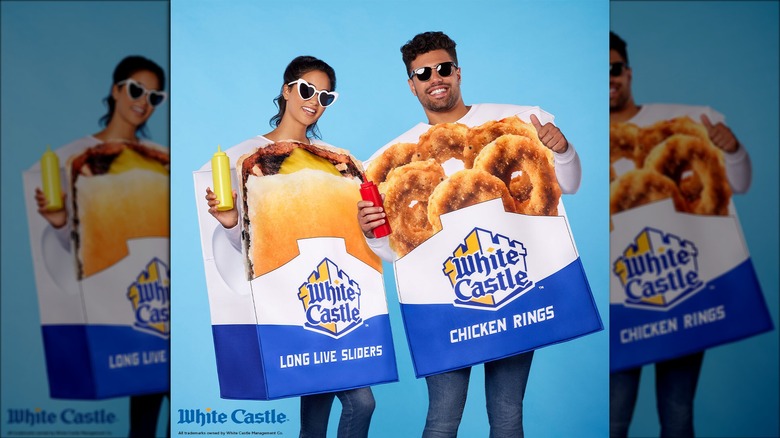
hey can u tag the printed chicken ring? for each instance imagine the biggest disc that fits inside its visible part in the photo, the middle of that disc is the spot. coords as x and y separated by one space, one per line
443 142
527 169
622 144
407 190
465 188
395 156
642 186
480 136
697 169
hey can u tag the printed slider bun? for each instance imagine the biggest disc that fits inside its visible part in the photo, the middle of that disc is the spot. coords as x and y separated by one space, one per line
118 192
292 191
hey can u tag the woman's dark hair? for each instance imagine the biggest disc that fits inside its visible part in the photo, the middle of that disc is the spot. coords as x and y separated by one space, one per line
126 68
297 68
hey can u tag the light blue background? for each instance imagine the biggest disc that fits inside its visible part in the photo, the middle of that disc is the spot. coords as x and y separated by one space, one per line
723 55
57 61
227 63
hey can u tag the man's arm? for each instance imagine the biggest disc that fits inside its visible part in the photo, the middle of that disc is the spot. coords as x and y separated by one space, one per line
568 169
739 169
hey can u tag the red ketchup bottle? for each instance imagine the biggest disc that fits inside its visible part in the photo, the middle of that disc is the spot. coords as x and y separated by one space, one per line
370 192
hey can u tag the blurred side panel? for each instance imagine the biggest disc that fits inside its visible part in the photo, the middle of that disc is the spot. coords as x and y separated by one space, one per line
720 57
57 61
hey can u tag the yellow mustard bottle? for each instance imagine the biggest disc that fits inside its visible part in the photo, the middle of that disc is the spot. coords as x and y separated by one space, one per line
220 174
50 176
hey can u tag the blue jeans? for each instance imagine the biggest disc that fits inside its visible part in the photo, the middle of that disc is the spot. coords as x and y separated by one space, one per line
675 388
357 406
505 381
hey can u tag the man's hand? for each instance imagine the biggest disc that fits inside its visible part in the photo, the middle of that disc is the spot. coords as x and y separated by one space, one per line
57 218
228 218
370 217
550 136
720 135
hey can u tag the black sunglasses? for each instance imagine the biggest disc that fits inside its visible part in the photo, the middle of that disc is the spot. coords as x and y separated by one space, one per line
616 68
424 73
136 90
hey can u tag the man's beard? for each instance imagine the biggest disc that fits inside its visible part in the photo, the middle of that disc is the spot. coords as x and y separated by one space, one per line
440 106
620 103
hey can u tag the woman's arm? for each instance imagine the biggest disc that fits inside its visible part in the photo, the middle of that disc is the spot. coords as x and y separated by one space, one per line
228 219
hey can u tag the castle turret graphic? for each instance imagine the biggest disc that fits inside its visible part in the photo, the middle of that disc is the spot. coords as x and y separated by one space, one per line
658 270
331 300
487 271
150 297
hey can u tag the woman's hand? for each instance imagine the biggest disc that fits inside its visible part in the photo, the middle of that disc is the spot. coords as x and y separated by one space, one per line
228 218
370 217
57 218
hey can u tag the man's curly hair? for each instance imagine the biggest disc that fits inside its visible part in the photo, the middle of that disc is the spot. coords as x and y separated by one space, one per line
427 42
619 45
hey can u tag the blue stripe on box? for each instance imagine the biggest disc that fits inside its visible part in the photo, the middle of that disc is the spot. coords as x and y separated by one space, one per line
743 314
274 361
67 361
239 366
102 361
429 327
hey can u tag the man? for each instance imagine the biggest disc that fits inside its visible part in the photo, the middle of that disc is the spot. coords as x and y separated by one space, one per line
434 78
622 108
676 379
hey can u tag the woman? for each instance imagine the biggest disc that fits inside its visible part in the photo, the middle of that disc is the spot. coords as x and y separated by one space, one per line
307 89
136 90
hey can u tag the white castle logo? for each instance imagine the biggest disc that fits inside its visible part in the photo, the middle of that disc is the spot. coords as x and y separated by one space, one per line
658 270
487 271
150 296
331 300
